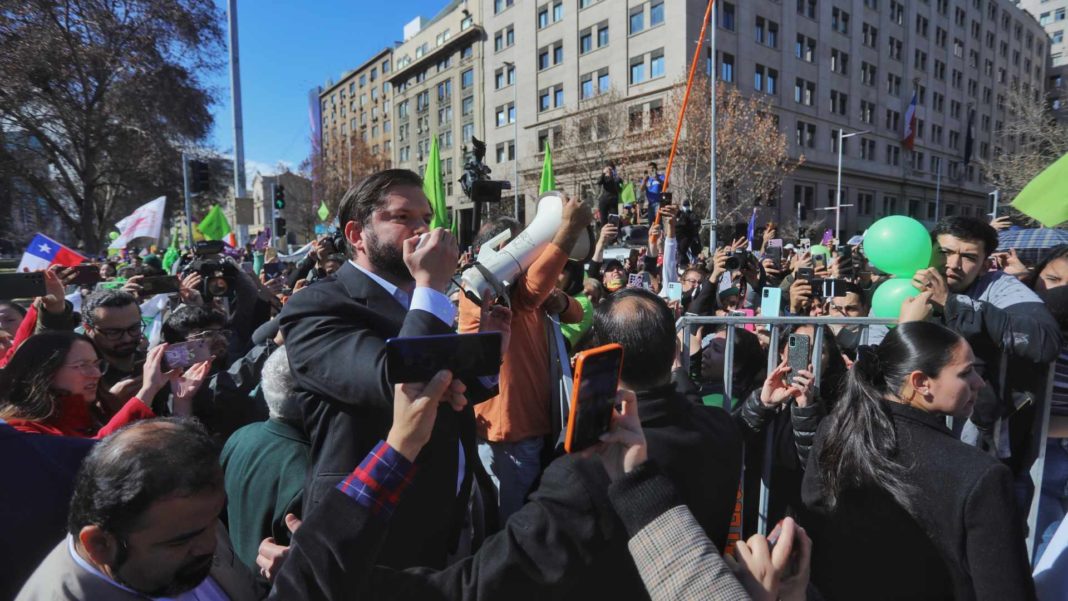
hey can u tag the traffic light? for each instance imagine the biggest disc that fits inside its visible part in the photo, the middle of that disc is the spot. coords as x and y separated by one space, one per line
279 197
281 223
200 177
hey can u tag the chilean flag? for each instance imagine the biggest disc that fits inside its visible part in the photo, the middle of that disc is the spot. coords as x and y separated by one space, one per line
43 252
908 137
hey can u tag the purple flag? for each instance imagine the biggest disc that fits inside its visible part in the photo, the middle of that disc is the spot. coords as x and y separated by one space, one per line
828 236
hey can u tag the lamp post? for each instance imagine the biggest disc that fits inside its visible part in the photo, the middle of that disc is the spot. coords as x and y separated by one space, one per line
838 189
515 135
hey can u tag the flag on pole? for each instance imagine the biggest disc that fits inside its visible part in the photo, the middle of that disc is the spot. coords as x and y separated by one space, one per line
1045 198
548 182
750 232
323 211
145 222
43 252
171 256
626 195
214 226
434 187
908 137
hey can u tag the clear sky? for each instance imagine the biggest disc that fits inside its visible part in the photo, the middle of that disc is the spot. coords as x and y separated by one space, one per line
287 48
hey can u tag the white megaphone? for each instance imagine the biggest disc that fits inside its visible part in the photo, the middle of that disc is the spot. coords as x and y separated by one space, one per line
495 270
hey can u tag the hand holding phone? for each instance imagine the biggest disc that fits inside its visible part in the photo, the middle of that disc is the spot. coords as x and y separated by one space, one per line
185 354
593 396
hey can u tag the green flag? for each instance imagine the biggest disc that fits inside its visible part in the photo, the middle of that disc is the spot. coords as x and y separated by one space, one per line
170 256
1045 198
434 188
323 211
626 195
548 182
214 225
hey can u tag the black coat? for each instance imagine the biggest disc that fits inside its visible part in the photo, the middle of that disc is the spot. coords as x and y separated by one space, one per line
963 542
335 332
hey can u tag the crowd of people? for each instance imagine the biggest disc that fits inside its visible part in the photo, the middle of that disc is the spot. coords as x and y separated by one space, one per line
279 460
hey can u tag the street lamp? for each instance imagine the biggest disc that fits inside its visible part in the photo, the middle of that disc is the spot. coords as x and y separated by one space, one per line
515 135
838 191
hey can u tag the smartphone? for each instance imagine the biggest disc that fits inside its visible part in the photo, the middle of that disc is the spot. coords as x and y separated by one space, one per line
272 270
593 396
22 285
674 291
420 358
770 301
745 313
634 258
666 199
819 261
86 275
805 244
635 280
775 254
112 285
185 354
797 355
160 284
845 261
805 273
613 219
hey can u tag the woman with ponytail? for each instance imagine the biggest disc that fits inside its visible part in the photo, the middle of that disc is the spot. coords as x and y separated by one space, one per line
896 506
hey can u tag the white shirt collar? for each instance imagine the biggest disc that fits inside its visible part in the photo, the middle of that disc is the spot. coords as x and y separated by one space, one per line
392 290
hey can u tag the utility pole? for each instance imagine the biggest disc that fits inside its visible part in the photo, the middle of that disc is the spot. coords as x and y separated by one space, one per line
235 92
712 222
274 219
838 188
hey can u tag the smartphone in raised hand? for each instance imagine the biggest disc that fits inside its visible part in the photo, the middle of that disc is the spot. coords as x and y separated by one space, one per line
593 396
419 358
22 285
183 355
798 355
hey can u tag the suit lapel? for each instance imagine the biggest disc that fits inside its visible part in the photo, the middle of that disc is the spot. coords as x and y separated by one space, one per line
368 292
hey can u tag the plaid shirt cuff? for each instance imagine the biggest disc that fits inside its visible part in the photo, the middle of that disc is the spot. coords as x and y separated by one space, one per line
379 480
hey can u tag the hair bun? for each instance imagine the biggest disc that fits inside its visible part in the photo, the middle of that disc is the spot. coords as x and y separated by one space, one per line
868 363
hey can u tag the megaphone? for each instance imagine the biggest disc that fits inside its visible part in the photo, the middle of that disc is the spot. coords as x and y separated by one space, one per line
495 270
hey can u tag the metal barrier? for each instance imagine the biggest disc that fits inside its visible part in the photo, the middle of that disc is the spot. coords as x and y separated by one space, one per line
687 324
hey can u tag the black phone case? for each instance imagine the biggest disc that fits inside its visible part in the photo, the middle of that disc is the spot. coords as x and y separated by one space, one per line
22 285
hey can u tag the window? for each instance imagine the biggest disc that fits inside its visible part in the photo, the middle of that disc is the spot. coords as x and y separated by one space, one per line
895 47
558 97
656 64
501 5
727 17
467 132
921 25
839 102
558 11
867 111
585 42
603 83
586 89
602 36
805 48
766 79
870 35
637 70
867 74
558 53
840 20
467 79
467 106
767 32
806 134
543 18
637 20
726 68
893 158
804 92
543 59
919 61
893 120
772 82
865 203
897 12
839 61
834 146
807 8
893 84
656 14
505 114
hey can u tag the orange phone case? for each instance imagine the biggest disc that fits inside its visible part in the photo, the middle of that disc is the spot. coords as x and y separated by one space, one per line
580 360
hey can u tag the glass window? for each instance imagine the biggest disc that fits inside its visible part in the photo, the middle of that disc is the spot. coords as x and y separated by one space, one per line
656 66
637 72
637 21
603 82
543 101
558 97
587 87
602 37
656 14
467 79
558 11
585 42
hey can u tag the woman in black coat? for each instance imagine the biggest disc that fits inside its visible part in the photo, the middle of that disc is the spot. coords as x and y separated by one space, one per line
897 508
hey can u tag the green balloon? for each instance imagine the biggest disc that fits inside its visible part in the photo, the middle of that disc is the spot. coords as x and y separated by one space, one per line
888 297
819 249
898 245
113 235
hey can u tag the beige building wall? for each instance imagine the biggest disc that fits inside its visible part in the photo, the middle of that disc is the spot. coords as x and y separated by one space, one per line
437 92
299 212
359 105
958 55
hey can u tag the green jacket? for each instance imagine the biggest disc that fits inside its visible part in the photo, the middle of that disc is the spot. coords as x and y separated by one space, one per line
265 464
575 331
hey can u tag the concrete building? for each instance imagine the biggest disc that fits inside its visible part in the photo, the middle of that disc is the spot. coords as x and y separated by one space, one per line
437 91
299 212
822 64
1053 16
358 106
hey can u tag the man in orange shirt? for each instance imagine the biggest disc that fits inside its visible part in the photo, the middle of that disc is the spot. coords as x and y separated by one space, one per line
512 425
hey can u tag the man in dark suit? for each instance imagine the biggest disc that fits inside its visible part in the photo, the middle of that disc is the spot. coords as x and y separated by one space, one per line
335 332
38 474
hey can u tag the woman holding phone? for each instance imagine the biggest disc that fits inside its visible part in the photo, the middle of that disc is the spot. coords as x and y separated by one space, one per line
52 386
897 507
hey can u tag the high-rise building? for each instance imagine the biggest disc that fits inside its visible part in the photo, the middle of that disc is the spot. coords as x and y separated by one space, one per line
1051 14
356 119
437 92
823 65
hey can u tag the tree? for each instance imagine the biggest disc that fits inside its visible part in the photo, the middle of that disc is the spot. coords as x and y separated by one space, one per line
347 161
105 94
1030 140
751 153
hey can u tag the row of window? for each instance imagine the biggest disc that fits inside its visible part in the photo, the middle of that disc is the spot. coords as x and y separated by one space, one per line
864 201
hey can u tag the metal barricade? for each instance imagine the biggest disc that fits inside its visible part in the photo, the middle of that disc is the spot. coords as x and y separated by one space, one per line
687 324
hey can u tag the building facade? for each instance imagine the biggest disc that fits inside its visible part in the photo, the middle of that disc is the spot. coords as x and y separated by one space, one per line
437 91
299 213
821 64
356 120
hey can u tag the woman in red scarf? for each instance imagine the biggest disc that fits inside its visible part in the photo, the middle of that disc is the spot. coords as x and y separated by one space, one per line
51 386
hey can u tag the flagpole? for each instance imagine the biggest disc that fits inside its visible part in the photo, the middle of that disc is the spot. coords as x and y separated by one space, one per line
712 135
188 201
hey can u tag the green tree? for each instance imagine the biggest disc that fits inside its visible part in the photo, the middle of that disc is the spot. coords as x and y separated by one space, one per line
103 94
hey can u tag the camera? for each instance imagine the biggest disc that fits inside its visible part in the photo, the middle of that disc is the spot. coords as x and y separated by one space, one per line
219 277
475 181
738 259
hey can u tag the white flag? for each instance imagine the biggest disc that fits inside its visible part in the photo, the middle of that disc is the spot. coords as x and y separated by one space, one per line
145 222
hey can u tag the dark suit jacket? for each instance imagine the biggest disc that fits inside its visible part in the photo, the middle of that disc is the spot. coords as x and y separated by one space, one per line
335 332
699 449
963 542
38 471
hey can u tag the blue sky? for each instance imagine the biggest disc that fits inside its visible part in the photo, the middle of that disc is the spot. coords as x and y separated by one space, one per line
289 47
